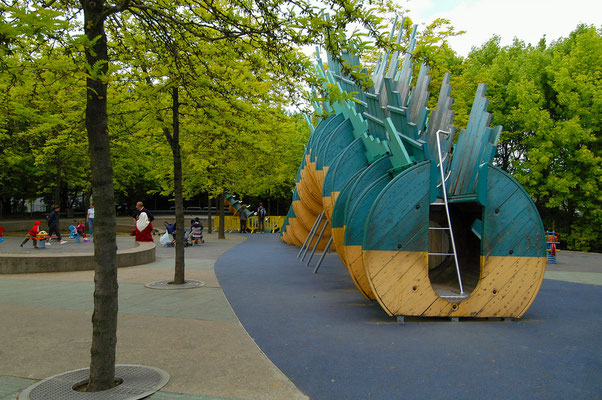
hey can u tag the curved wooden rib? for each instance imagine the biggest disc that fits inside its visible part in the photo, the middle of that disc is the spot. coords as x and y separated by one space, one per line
512 267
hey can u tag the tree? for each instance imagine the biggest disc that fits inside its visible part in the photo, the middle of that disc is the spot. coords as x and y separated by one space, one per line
41 118
275 26
547 100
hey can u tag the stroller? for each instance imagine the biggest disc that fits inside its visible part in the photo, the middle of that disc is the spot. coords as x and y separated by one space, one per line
169 238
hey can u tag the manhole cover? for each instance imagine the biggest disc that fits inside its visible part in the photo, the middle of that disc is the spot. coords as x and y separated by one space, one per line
139 381
168 285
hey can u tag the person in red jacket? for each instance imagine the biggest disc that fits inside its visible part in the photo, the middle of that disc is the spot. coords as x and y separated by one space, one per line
144 226
33 232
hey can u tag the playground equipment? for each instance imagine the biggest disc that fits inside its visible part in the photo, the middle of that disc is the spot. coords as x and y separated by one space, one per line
232 223
42 237
552 240
425 227
73 234
1 232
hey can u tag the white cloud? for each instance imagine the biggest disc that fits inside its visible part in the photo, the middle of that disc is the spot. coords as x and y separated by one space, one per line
528 20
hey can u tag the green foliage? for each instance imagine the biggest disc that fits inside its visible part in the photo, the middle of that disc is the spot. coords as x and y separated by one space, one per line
548 100
41 128
239 69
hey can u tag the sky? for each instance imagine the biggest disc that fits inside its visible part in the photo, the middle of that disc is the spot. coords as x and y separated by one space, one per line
527 20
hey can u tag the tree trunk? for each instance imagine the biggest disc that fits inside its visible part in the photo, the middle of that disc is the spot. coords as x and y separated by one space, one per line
87 199
104 318
209 221
220 210
57 181
177 183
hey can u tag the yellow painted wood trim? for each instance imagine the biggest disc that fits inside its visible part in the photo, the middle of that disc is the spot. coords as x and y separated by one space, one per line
305 216
400 283
338 238
327 204
306 198
355 265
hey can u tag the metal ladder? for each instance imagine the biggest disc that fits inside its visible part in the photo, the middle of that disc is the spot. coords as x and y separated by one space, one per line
449 226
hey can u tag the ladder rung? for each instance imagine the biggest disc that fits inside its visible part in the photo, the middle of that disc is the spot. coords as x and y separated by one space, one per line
458 296
441 254
437 228
438 204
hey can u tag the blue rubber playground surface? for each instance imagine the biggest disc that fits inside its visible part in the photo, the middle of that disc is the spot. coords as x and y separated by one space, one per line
334 344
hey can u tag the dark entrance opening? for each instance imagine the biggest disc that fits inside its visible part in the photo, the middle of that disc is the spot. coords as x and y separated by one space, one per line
466 225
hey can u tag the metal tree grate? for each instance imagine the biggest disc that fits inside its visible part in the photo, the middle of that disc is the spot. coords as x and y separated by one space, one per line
139 381
168 285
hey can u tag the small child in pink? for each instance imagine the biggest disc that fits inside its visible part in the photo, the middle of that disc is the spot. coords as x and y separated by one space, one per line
80 228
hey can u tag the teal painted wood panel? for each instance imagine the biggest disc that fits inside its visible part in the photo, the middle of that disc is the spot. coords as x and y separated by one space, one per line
323 127
512 225
327 184
418 100
399 217
360 207
474 147
338 212
332 146
377 169
328 127
348 162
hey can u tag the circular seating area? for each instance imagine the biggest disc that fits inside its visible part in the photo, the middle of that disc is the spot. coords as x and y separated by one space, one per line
42 261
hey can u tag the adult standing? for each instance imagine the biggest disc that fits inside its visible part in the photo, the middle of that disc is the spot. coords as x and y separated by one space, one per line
90 218
53 223
144 226
141 209
261 213
243 215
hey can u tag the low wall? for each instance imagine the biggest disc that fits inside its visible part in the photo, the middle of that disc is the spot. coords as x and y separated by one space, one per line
12 263
122 224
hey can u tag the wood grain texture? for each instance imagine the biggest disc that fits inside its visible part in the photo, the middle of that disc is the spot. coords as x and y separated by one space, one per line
300 233
355 265
338 237
400 283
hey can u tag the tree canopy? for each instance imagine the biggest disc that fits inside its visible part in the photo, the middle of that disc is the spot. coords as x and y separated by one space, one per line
235 108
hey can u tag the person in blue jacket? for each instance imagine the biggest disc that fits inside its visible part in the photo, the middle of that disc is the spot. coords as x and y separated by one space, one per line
53 223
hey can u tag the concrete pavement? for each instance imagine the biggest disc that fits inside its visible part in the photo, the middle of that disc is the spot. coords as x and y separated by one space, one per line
197 338
192 334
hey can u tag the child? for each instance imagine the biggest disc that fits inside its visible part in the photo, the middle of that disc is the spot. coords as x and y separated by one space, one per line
81 229
33 232
196 231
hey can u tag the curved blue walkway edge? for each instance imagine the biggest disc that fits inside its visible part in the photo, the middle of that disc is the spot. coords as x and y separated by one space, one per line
333 344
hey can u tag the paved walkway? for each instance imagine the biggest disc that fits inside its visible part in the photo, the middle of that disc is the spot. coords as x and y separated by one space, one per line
192 334
334 344
316 328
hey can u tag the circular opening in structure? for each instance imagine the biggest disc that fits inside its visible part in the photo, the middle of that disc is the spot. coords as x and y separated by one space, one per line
454 307
454 271
82 386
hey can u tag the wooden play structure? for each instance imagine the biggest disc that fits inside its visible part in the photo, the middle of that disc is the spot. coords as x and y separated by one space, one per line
422 219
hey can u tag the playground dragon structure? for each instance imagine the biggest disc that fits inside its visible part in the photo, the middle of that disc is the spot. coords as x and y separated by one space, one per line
426 226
